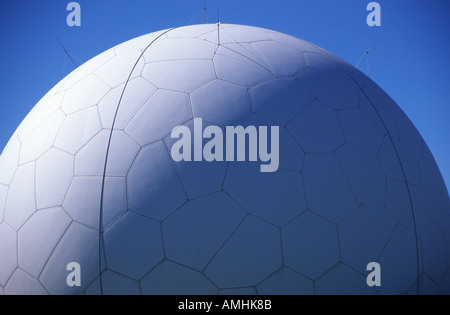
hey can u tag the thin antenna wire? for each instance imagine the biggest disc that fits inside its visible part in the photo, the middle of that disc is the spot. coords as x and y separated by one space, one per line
218 26
67 53
204 10
365 55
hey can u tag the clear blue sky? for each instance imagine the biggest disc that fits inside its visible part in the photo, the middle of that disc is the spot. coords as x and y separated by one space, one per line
411 59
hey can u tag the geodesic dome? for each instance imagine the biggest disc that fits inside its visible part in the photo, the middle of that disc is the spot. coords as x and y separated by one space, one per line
88 177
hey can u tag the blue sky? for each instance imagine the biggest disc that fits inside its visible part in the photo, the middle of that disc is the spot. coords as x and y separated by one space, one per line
410 59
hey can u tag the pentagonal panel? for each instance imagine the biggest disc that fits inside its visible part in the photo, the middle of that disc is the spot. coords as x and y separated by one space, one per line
360 130
310 245
117 70
8 252
317 128
399 262
159 115
279 100
433 251
277 197
174 279
79 244
180 75
286 282
212 218
21 202
233 67
221 103
327 90
86 93
254 241
325 185
364 173
363 236
153 185
342 280
22 283
276 54
82 202
78 129
42 138
36 241
54 172
133 245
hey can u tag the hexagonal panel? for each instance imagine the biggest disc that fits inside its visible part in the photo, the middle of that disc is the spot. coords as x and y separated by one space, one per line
117 70
82 201
310 245
327 90
246 50
279 100
174 279
54 172
232 66
238 263
195 233
342 280
8 252
180 75
133 245
22 283
41 139
327 190
116 284
79 244
153 186
36 241
276 54
286 282
427 286
293 42
277 197
84 94
434 252
78 129
364 235
21 202
159 115
444 287
246 34
107 106
221 103
421 213
399 262
360 130
410 164
369 185
317 128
